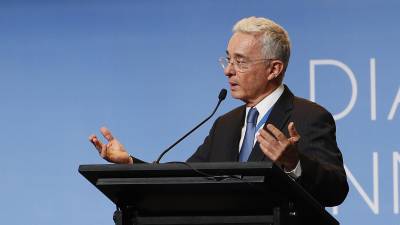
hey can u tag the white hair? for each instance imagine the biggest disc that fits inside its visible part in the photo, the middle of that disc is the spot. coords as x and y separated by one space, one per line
275 39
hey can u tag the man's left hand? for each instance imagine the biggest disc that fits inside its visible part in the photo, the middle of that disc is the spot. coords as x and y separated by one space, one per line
280 149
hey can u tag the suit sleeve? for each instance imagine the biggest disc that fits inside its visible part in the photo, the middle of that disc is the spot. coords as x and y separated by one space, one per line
323 174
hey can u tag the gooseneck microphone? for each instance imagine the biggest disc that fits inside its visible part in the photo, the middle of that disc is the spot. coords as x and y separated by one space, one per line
221 97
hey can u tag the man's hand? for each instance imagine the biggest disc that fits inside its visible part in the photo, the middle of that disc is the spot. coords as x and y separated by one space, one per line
113 151
280 149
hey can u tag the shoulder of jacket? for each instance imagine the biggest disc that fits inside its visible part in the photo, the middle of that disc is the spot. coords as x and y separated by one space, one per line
233 114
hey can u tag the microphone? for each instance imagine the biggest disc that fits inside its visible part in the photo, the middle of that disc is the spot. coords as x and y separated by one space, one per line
221 97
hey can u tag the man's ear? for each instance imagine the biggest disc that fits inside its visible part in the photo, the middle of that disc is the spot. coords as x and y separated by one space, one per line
276 67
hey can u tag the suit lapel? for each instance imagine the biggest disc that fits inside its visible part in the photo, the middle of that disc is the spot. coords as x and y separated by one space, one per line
279 116
233 134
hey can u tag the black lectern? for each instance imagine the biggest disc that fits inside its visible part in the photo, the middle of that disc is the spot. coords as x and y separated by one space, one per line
234 193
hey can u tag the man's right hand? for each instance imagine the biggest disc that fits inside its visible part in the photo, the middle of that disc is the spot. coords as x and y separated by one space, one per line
113 151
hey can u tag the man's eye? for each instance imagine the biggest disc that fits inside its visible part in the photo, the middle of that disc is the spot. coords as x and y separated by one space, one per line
241 62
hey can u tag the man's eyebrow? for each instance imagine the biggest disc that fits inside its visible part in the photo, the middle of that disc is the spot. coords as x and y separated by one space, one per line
236 55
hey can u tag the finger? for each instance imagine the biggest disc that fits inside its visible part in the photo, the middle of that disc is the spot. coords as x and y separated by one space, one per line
277 133
106 133
267 137
294 135
91 137
103 151
266 148
96 142
269 142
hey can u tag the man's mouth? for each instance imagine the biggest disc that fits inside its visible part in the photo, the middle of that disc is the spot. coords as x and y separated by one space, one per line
232 84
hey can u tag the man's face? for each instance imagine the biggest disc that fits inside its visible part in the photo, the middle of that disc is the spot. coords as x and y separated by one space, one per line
250 85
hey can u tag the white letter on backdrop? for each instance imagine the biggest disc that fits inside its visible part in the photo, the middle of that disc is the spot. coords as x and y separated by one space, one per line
372 71
394 105
373 204
349 73
396 162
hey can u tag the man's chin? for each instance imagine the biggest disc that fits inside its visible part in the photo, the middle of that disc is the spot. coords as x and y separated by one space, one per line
236 95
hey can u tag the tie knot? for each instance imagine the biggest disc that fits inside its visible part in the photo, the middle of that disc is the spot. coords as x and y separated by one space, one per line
252 116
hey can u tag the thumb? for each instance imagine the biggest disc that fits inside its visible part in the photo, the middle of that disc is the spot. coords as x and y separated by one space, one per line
294 135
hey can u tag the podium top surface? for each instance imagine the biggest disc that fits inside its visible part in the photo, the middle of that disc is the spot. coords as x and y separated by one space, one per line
95 171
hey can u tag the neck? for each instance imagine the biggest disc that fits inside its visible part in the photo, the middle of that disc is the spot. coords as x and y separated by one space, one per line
259 98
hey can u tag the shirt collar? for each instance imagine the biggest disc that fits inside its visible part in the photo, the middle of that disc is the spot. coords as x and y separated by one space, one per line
266 104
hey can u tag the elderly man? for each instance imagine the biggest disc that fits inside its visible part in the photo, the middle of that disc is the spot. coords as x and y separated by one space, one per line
273 124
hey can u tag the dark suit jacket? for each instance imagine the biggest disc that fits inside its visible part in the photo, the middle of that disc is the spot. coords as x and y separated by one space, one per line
323 175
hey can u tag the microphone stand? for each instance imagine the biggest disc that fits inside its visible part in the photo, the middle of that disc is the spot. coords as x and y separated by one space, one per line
221 97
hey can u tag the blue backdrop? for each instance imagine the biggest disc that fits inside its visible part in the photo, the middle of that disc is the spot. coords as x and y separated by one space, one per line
148 70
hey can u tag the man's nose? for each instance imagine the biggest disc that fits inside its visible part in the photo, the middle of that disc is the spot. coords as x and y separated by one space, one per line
229 69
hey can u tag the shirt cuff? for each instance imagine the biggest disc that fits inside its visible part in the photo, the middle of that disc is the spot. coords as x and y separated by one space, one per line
296 172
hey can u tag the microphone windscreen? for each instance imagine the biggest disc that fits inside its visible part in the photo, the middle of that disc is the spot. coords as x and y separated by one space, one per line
222 94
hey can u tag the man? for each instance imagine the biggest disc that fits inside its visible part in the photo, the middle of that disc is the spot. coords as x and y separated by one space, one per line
296 134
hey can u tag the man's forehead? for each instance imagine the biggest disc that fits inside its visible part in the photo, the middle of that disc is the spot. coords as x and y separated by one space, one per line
243 44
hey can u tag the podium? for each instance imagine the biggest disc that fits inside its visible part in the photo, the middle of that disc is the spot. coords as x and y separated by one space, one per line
229 193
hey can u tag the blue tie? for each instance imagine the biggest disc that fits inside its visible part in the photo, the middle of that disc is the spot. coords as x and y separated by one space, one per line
248 141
